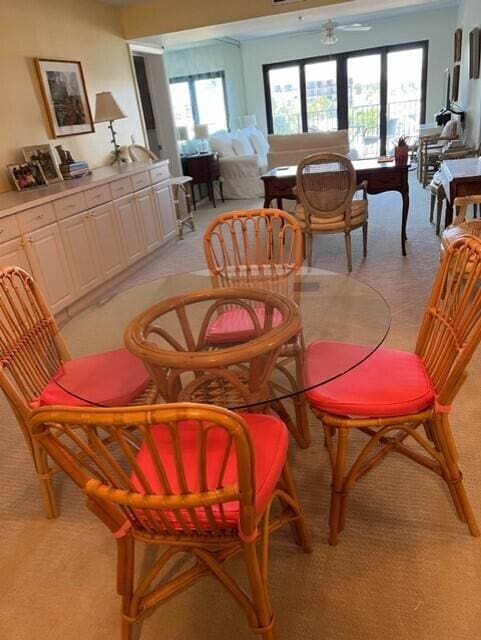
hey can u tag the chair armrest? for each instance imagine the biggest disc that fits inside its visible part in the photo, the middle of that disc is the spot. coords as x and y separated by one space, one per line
362 185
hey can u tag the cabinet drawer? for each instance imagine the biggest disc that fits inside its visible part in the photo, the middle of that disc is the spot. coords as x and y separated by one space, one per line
160 173
66 207
98 195
140 180
9 228
120 188
35 218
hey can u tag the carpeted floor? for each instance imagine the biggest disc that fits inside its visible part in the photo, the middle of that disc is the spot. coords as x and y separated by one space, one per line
405 568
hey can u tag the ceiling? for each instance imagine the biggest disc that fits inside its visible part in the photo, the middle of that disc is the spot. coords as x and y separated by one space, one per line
311 19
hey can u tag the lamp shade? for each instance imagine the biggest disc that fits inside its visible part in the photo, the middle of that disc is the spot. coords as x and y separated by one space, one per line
106 108
201 130
250 120
182 133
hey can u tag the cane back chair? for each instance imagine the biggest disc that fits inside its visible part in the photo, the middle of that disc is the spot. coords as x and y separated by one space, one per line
202 483
36 368
171 339
259 248
325 188
462 227
394 393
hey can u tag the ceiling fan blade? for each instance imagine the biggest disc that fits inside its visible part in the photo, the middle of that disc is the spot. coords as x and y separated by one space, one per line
354 27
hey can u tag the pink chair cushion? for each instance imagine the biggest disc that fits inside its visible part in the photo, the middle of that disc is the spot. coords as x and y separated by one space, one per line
270 440
389 383
110 379
236 325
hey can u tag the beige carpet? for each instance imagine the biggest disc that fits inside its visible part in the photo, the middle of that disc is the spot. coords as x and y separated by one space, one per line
405 568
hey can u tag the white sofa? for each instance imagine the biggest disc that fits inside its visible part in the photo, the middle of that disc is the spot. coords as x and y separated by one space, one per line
242 160
285 150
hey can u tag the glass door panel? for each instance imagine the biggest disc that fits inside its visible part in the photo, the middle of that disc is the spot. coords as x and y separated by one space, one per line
364 104
284 84
404 94
182 106
321 96
211 103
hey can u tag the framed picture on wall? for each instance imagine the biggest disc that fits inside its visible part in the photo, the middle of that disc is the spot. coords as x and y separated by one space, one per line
27 175
65 96
458 44
474 52
455 88
43 154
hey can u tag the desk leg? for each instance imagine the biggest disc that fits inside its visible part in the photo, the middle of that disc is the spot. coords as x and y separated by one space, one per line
267 202
405 197
279 203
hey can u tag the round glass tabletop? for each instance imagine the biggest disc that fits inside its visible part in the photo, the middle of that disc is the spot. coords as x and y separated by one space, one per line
334 308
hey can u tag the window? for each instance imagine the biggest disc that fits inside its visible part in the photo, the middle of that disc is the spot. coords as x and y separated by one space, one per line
200 99
377 94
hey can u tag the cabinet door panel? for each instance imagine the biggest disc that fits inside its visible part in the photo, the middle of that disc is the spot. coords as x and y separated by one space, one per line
81 252
107 235
149 218
49 266
165 204
130 228
12 254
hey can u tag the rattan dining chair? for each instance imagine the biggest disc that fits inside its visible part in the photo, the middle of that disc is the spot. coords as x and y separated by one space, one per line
325 188
201 484
171 339
36 368
259 248
392 394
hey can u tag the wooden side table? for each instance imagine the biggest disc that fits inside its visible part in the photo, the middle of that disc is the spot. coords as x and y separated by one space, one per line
203 169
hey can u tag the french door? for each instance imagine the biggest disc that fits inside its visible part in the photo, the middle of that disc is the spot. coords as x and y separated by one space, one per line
377 94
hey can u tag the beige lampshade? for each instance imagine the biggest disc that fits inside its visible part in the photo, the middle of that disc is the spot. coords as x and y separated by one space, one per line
182 133
201 130
106 108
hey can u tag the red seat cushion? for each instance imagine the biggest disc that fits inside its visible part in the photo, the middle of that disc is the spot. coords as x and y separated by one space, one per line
270 439
236 325
388 383
110 379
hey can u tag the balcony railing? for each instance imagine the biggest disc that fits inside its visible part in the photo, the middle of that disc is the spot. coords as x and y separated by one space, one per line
364 134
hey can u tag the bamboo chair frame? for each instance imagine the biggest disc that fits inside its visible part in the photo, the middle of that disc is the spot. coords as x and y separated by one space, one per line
185 367
460 225
448 337
342 208
31 351
263 248
175 519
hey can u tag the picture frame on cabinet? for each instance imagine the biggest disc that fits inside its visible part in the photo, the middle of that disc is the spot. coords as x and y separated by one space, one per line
458 44
44 155
27 175
65 96
474 52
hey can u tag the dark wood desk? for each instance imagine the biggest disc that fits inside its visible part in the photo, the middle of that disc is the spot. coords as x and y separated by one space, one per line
460 178
380 176
203 168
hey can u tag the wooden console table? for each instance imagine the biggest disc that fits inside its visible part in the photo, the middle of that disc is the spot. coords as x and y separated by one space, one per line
380 176
203 168
460 177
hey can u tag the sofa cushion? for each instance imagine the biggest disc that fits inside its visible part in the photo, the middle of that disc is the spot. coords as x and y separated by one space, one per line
259 142
336 141
241 144
221 143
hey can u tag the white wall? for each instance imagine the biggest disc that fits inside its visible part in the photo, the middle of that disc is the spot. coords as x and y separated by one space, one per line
470 90
208 58
436 26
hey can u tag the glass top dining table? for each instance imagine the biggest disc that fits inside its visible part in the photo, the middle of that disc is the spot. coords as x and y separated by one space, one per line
333 307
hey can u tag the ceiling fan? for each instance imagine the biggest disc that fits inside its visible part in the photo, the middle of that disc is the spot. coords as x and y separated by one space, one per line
328 29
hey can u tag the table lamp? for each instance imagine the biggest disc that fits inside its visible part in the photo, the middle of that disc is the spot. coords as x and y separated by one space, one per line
182 137
107 110
250 120
202 132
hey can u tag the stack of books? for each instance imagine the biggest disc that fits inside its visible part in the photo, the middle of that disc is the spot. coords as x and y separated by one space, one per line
74 170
